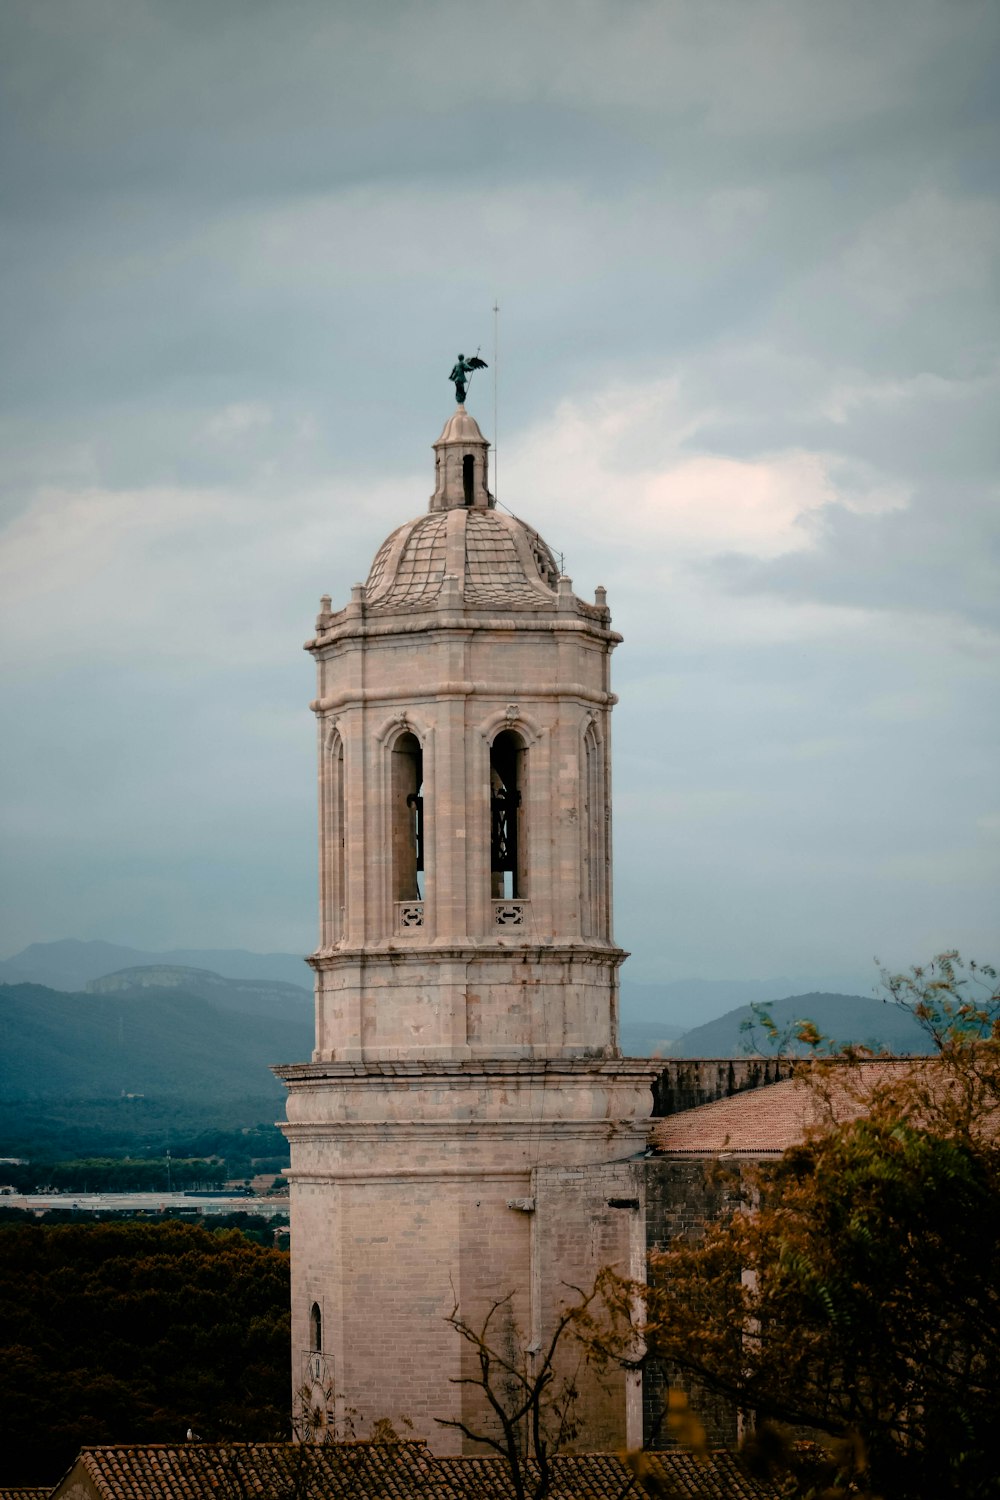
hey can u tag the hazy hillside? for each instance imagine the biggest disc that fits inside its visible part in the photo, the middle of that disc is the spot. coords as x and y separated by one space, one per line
685 1003
159 1042
842 1018
69 964
254 997
648 1038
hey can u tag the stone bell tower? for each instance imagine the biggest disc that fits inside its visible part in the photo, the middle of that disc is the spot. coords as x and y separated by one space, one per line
466 1127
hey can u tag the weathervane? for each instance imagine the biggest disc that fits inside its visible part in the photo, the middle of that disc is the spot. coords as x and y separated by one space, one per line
462 374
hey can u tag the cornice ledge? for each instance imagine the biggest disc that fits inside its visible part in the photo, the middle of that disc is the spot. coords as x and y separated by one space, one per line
470 1070
566 692
539 617
452 1131
583 952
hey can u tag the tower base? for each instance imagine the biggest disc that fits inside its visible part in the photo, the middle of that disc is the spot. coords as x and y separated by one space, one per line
417 1187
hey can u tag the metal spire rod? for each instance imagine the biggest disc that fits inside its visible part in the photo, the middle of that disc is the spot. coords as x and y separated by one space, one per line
496 434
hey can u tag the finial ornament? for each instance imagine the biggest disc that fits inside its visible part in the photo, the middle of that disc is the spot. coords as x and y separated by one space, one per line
462 374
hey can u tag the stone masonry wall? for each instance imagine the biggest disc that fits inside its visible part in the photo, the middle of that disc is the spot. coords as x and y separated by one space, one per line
587 1218
686 1082
684 1195
395 1258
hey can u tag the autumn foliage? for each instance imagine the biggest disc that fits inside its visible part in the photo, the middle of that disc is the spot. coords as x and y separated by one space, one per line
854 1294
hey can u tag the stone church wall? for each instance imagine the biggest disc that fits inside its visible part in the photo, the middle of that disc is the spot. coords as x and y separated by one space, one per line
686 1082
683 1196
587 1218
411 1250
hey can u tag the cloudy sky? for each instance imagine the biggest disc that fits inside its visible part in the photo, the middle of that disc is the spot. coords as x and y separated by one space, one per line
746 258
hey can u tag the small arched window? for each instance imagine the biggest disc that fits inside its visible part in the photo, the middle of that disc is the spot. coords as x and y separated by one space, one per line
468 477
508 827
315 1329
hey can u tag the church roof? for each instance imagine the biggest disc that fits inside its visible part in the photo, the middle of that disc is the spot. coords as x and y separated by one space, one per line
760 1122
496 559
383 1471
765 1121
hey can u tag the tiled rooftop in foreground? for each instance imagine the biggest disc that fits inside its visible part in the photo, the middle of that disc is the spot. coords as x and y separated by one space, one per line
379 1471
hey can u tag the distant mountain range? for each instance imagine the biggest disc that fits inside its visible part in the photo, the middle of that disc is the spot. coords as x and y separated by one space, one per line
251 997
684 1003
166 1030
70 964
647 1038
651 1012
160 1032
841 1018
156 1051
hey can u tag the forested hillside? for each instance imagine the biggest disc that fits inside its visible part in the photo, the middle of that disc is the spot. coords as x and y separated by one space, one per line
150 1040
157 1058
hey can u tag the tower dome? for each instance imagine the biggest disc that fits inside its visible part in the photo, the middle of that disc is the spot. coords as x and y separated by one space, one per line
495 559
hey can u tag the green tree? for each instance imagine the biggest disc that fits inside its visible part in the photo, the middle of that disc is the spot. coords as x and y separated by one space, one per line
854 1294
131 1332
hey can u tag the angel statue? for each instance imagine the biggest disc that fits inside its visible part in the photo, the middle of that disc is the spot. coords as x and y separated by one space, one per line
462 374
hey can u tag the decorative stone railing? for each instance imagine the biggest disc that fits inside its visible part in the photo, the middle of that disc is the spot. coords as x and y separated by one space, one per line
409 914
510 913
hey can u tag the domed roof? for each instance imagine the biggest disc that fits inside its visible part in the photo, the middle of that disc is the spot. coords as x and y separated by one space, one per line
461 428
496 559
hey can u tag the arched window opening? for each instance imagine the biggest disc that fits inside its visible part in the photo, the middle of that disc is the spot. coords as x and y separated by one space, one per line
407 819
339 842
468 477
315 1329
593 835
333 837
508 840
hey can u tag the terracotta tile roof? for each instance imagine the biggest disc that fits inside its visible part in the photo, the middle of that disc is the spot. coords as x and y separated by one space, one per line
685 1477
383 1471
586 1476
29 1492
605 1476
765 1121
242 1471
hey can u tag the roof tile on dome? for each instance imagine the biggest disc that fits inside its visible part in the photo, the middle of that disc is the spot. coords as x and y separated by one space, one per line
494 570
506 563
376 572
409 566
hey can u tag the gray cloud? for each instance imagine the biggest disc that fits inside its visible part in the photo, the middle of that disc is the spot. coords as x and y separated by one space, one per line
746 256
